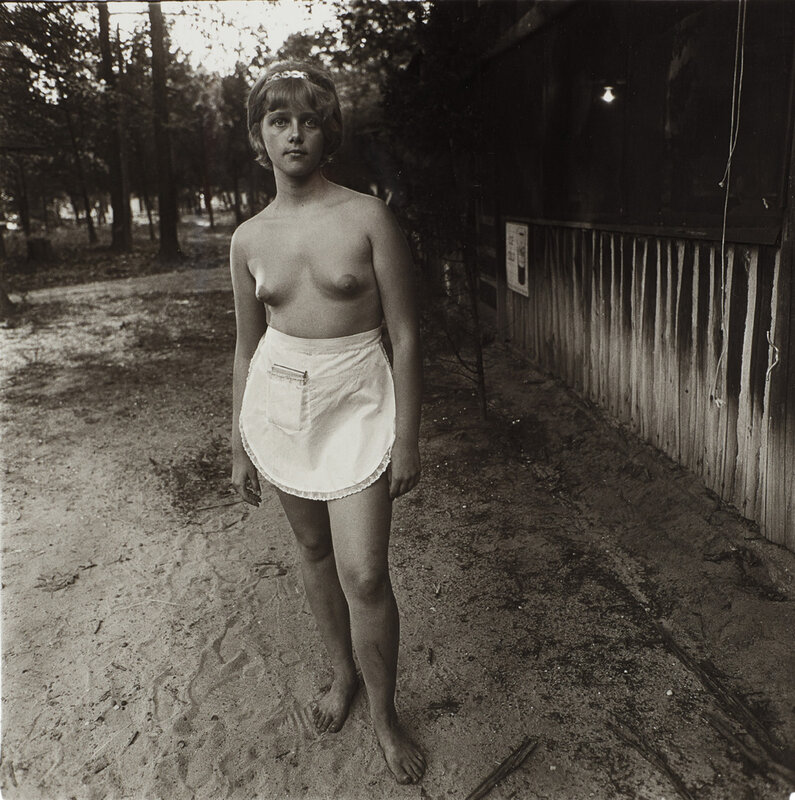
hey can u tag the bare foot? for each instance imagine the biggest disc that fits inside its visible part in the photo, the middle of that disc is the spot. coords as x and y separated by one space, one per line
330 711
404 759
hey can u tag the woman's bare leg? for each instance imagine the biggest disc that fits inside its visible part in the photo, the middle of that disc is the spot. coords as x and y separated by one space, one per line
309 520
360 531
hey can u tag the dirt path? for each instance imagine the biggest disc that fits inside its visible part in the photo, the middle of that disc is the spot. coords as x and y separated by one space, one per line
557 579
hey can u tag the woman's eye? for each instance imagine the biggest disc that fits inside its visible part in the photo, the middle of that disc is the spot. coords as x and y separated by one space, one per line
312 122
279 122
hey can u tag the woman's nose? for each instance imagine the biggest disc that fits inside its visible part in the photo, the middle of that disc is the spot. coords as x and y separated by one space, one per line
295 132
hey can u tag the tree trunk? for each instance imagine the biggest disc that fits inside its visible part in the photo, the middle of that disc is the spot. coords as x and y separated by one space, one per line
7 306
148 206
138 154
22 198
208 202
207 144
238 210
471 268
121 126
462 171
75 208
92 232
81 180
40 249
121 237
252 191
167 192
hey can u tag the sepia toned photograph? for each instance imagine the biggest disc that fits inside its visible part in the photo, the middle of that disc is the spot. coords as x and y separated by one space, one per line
397 400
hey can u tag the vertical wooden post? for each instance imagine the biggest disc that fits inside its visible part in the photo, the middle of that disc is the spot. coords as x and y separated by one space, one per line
613 356
684 349
747 428
586 303
777 459
779 500
659 391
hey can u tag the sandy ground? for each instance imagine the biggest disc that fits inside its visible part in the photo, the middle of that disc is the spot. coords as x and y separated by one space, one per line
557 579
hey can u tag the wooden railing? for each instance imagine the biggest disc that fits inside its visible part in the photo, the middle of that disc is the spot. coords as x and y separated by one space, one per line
675 345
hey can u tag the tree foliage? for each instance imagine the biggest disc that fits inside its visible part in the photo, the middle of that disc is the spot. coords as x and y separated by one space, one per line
55 129
49 77
397 68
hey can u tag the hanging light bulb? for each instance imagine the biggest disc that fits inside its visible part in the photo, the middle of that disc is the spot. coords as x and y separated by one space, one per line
607 95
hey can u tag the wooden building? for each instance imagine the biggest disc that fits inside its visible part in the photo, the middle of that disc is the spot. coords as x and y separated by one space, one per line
635 222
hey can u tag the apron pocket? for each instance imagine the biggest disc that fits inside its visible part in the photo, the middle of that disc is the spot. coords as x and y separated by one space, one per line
287 398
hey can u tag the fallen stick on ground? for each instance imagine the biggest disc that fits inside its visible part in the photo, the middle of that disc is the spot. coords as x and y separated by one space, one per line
635 739
232 502
144 602
760 760
514 761
107 741
730 703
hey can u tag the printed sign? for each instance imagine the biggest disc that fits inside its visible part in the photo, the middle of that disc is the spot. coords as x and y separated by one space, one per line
516 235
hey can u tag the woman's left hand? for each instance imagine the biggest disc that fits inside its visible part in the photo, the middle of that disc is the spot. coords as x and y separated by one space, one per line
403 472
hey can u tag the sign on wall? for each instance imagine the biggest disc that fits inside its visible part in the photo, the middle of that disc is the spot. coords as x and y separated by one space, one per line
516 235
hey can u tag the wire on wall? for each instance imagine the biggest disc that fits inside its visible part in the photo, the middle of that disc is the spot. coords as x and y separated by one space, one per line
725 184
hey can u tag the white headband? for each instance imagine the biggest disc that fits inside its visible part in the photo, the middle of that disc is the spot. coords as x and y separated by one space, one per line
290 73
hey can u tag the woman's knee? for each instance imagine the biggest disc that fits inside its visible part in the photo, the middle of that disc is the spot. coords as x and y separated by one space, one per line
365 584
310 523
313 546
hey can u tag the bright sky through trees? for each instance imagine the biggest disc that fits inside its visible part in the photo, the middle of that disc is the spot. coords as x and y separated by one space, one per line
217 34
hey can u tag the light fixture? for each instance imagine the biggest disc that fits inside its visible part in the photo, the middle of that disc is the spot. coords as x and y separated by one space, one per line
607 95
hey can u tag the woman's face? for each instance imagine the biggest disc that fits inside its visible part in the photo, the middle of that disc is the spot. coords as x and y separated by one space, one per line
293 137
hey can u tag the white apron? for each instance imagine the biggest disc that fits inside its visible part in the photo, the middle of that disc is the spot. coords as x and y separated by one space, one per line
318 415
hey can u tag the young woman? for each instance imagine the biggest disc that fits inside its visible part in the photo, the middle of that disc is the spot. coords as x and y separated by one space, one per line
317 409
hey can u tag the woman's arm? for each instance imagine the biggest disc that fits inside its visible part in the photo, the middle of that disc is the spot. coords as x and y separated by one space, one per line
250 319
395 277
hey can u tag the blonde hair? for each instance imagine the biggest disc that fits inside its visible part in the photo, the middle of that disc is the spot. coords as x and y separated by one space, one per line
288 82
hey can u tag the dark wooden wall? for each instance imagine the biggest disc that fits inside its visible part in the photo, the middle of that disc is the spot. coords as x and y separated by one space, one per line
654 331
633 300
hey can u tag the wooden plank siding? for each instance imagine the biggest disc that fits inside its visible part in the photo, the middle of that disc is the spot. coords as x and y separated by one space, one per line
674 344
779 448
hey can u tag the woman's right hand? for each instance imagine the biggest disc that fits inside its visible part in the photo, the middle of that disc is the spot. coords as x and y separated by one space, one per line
245 480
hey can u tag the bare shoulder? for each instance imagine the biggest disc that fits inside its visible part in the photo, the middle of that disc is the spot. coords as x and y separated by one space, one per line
369 205
369 211
247 240
244 235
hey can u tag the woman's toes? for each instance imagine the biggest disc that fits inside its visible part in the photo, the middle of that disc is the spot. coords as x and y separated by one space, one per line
317 717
